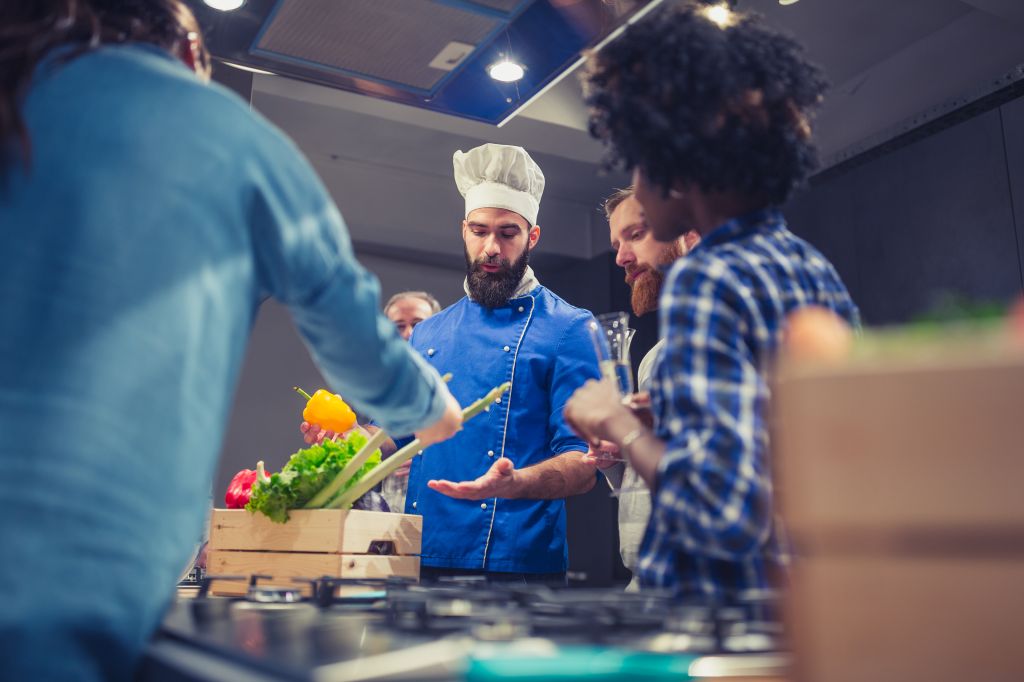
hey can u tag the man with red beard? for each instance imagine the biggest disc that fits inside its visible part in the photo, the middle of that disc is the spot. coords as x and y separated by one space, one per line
519 460
643 258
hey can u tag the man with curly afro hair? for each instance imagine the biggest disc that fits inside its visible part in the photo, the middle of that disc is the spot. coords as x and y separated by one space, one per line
710 111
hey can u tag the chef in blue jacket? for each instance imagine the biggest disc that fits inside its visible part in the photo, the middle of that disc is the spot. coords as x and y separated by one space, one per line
493 497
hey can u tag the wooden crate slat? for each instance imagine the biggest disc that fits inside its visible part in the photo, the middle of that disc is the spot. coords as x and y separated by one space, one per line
316 530
283 566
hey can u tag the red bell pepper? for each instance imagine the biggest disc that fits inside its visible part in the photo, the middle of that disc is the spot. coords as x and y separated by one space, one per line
240 487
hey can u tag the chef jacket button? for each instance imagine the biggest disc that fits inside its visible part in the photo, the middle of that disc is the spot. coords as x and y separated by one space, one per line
430 352
498 400
521 308
490 453
483 505
413 505
506 349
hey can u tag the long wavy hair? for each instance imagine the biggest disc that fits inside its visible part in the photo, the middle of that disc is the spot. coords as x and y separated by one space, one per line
30 29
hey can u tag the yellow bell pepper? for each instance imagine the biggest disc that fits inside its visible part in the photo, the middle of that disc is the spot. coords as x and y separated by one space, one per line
328 411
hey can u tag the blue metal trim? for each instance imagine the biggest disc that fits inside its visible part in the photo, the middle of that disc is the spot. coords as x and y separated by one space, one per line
484 44
266 25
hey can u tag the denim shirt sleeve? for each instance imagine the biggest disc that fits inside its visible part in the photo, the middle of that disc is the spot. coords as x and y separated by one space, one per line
305 260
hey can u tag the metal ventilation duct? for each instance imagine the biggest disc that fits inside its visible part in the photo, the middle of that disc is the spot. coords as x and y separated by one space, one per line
431 54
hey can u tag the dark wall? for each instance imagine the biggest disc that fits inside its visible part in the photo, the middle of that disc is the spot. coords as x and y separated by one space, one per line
1012 117
926 220
235 79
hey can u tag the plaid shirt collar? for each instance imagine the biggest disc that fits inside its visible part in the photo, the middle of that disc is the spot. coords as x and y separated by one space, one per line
741 226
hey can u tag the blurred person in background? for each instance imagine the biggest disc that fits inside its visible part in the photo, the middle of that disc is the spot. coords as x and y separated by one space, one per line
711 113
644 260
139 234
408 308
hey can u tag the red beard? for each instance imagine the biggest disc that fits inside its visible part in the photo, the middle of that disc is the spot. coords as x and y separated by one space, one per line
646 284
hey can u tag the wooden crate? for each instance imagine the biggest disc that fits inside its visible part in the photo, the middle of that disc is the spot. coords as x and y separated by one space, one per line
313 543
905 617
892 446
899 481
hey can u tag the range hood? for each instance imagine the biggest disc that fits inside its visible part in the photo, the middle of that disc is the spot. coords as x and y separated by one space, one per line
430 54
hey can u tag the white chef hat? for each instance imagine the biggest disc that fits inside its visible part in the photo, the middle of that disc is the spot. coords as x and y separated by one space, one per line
499 176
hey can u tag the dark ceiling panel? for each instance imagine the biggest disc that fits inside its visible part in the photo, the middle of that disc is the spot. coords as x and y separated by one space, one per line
847 38
392 41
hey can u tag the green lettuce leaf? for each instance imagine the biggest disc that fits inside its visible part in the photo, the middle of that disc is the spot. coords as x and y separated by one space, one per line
305 474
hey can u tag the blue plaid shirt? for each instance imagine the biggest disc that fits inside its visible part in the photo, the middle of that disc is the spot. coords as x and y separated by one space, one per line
712 530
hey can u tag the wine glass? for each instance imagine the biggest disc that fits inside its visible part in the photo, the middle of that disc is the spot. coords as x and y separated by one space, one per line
612 336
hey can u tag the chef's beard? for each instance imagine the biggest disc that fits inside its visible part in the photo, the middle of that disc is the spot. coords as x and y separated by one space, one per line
492 290
647 287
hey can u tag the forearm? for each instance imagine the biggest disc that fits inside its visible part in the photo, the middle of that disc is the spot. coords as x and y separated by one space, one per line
364 359
561 476
638 444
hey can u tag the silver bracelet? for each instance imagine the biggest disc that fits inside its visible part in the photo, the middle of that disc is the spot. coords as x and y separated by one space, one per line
632 436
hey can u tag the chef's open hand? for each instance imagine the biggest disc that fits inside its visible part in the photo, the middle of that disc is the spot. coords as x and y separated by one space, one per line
445 427
591 408
499 481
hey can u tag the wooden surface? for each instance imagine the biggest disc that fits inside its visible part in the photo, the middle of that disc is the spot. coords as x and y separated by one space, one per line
907 619
899 480
315 530
902 446
283 566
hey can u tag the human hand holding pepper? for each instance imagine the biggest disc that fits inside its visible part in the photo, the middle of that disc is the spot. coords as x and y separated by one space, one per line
312 434
326 415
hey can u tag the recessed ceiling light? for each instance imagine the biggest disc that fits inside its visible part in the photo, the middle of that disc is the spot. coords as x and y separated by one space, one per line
243 67
720 15
225 5
506 71
788 2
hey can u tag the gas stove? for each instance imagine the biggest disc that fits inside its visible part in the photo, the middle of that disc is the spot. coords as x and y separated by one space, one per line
464 629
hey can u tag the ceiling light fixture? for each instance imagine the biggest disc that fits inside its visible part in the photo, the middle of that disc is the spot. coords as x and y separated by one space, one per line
243 67
506 71
720 15
225 5
788 2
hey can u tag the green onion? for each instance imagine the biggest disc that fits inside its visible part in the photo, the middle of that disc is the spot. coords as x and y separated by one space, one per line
389 465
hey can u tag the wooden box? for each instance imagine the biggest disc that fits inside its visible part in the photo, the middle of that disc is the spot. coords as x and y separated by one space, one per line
313 543
884 446
905 618
898 477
